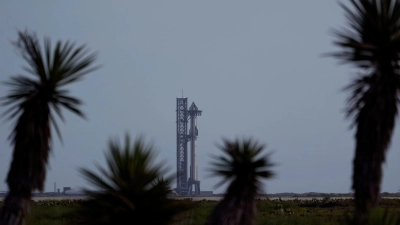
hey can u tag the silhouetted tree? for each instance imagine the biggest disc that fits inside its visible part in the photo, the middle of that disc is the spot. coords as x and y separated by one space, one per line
371 42
244 168
133 190
35 99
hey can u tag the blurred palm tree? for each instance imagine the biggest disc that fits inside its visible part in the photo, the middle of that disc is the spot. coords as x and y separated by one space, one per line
244 168
34 101
133 190
372 43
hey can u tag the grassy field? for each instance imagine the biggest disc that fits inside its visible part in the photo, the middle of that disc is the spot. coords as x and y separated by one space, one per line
310 212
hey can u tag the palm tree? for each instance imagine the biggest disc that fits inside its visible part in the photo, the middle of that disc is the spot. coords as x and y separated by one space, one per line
133 190
371 42
243 166
34 100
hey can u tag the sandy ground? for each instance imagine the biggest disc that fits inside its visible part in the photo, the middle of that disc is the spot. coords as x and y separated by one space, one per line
178 197
193 198
54 198
272 198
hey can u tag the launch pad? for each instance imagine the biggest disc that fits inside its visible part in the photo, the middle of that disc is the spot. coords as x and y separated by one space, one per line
186 185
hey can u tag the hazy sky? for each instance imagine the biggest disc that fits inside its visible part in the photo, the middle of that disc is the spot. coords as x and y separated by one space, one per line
254 68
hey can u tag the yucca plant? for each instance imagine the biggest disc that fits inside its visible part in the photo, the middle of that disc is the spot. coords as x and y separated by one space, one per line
371 42
243 167
131 190
35 100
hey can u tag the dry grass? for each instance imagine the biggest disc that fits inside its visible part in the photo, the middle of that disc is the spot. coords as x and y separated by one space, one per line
307 212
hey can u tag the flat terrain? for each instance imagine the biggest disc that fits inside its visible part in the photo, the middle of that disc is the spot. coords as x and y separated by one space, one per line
325 211
200 198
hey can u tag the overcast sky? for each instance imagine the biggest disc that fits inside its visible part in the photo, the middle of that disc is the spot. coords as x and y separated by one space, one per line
254 68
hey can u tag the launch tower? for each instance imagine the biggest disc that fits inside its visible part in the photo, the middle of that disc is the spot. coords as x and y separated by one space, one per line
184 184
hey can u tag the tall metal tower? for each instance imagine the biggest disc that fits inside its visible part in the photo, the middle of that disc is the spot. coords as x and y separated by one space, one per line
184 184
181 144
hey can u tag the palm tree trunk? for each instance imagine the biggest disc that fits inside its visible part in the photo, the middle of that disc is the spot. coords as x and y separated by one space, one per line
15 209
375 123
235 209
28 168
366 182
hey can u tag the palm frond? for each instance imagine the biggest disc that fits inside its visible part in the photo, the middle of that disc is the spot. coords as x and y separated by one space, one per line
29 48
52 69
241 161
372 33
133 188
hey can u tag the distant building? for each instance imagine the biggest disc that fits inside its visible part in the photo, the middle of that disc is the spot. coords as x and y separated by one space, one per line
73 192
66 189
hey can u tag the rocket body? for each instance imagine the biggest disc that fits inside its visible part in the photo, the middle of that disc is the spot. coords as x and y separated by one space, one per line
193 146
